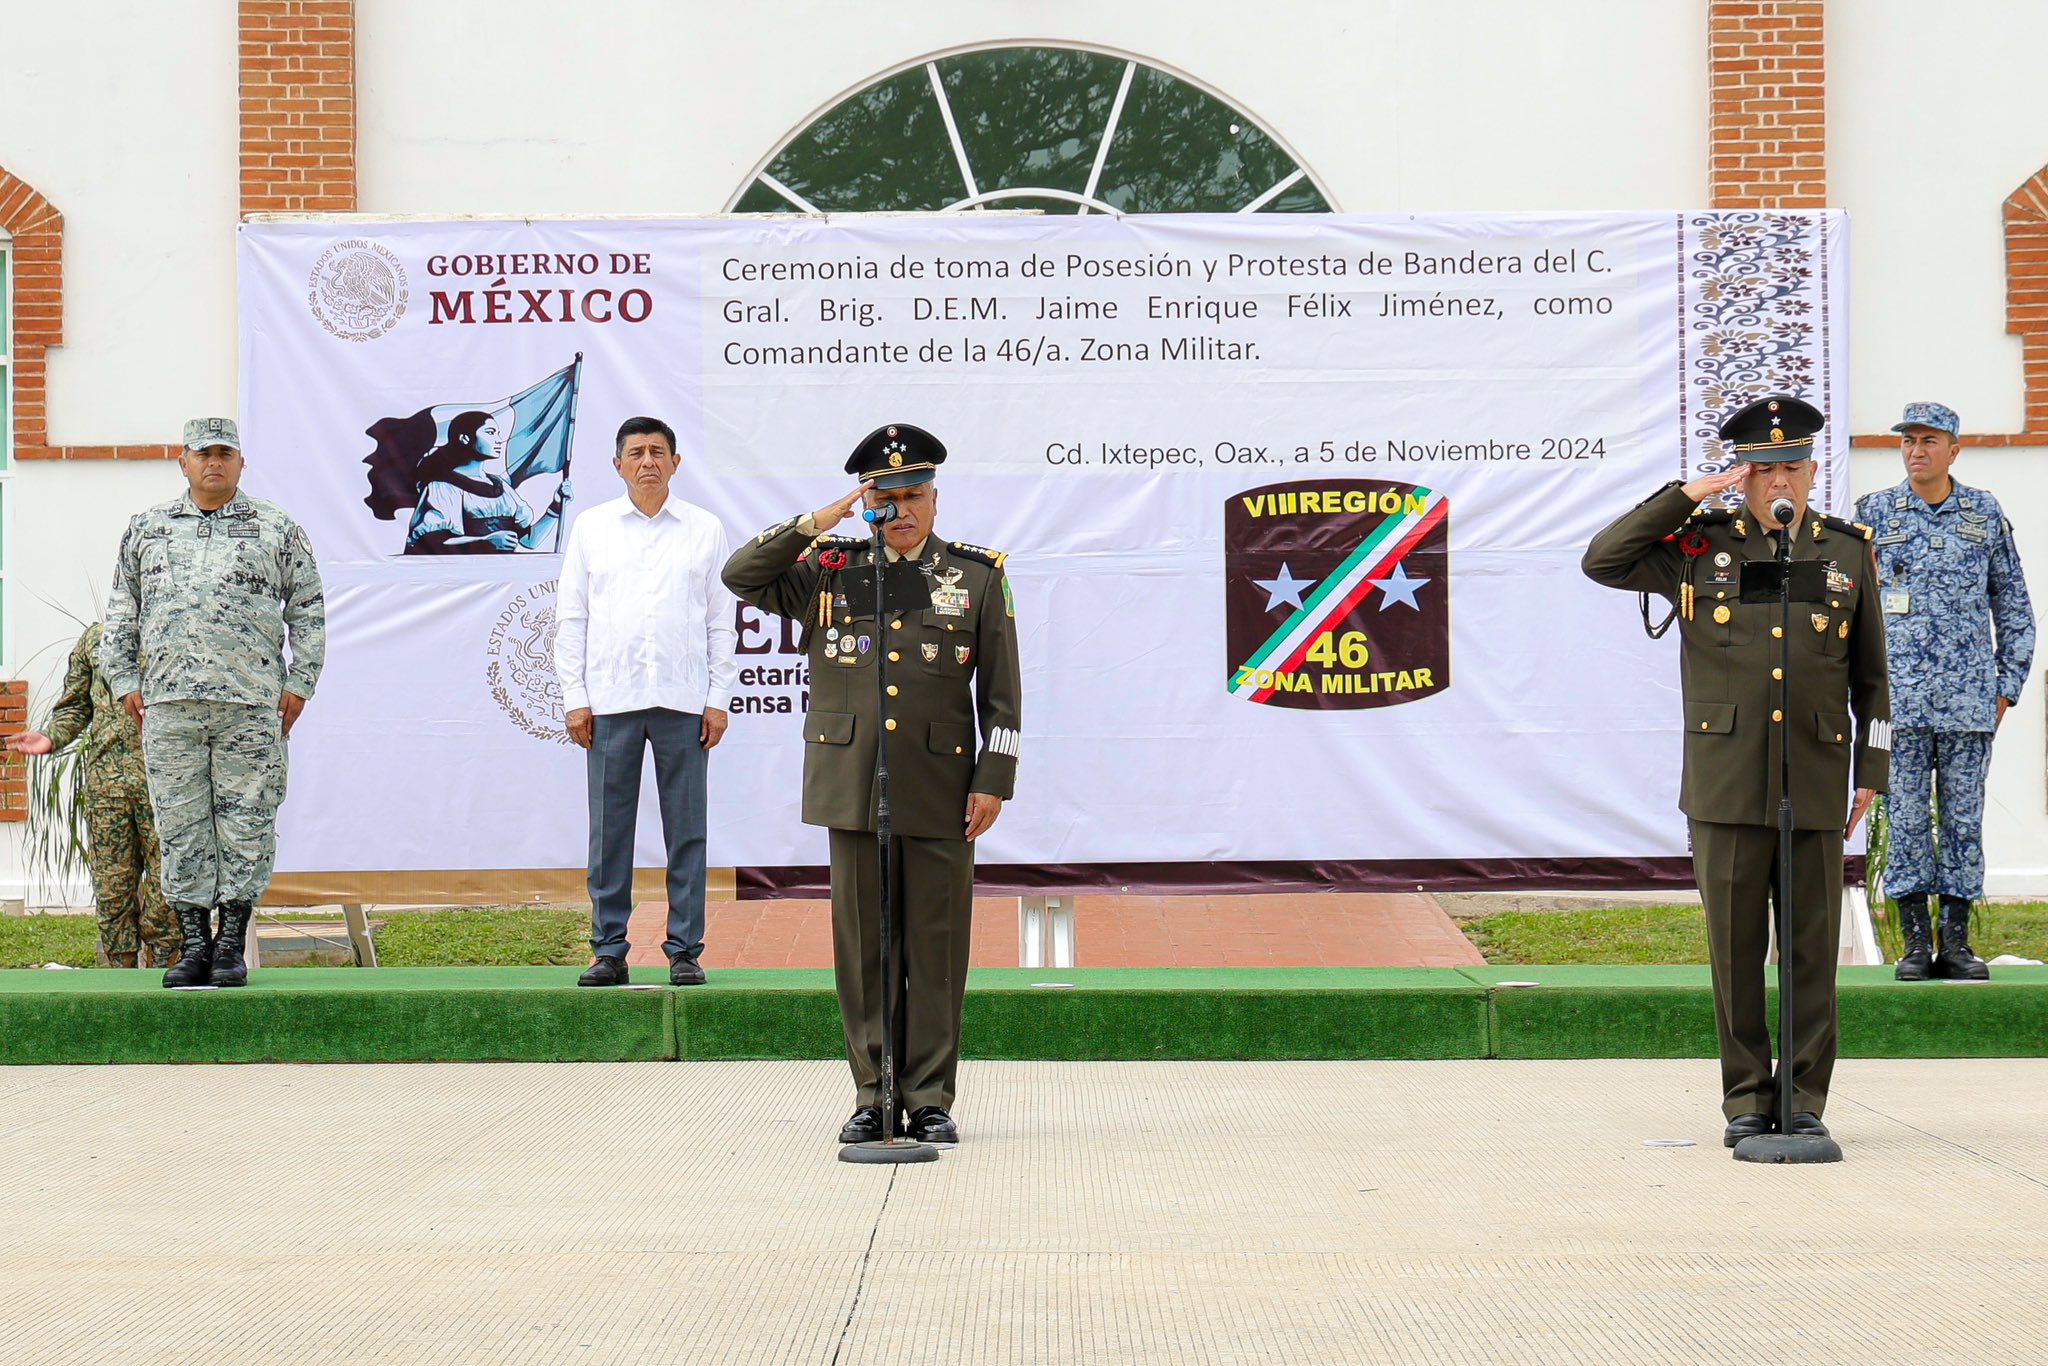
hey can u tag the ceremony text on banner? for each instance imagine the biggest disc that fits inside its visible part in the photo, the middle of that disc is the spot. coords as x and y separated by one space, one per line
1293 509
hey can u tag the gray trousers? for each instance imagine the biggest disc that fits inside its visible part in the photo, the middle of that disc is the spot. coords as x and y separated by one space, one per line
216 778
617 749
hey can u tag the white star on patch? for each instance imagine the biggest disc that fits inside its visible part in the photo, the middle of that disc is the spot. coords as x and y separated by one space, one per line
1285 590
1398 587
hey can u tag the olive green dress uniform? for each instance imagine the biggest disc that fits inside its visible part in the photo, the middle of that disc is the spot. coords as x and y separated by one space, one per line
1733 730
948 632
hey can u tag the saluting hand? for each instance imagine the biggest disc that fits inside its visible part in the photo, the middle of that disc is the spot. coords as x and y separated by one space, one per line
1701 489
832 514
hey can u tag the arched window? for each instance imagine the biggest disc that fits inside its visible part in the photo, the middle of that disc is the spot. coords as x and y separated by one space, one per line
1062 129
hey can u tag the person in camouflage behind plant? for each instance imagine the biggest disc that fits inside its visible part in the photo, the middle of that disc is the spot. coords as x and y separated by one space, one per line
136 927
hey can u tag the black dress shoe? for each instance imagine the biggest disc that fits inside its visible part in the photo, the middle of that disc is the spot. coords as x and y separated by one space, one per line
930 1124
1806 1122
605 972
1747 1126
684 972
864 1127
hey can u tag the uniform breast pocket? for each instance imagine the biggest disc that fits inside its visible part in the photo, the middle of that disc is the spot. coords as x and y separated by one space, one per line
945 645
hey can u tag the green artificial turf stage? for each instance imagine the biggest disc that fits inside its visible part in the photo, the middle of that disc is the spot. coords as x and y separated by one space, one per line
539 1014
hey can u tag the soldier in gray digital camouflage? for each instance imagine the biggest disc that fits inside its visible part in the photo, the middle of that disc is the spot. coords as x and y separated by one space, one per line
1959 633
209 591
136 928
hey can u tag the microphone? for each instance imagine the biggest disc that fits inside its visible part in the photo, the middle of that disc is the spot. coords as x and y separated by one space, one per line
887 513
1782 509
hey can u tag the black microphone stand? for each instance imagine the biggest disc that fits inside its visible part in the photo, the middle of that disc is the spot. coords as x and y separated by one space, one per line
1785 1146
891 1148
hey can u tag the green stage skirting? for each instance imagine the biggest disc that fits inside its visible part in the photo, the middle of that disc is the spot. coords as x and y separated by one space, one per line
540 1015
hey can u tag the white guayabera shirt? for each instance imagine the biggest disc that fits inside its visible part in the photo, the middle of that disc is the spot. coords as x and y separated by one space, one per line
642 617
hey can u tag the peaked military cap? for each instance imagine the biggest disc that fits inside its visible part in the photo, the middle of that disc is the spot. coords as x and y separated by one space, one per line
896 456
1774 430
202 432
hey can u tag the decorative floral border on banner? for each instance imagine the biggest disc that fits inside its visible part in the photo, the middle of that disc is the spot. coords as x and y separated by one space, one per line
1753 306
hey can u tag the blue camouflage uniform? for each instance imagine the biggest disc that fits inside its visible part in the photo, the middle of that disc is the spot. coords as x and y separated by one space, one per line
1959 633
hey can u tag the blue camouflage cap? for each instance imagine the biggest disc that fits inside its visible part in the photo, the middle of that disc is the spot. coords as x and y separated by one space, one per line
202 432
1936 415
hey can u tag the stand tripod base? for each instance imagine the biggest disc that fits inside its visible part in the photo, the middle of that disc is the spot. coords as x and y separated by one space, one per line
886 1150
1789 1149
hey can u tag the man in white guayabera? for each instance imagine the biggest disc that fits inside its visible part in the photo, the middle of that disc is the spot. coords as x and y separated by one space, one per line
644 648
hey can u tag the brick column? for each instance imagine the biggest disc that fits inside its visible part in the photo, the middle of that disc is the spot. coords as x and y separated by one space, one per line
298 100
13 767
2026 290
1768 111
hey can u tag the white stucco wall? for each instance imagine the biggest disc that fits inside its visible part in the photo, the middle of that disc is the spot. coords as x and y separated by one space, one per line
123 112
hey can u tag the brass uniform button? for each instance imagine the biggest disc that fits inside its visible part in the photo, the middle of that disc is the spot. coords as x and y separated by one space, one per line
1775 716
1778 632
896 625
1721 615
1775 673
889 724
958 750
950 626
1703 726
894 657
1838 739
892 690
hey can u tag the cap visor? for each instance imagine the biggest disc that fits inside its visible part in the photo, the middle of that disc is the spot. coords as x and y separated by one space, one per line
1778 455
901 479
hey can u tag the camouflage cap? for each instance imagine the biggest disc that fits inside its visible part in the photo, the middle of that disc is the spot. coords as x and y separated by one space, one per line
1939 416
202 432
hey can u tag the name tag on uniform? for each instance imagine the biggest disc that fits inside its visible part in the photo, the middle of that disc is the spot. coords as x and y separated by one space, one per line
246 533
1897 603
949 601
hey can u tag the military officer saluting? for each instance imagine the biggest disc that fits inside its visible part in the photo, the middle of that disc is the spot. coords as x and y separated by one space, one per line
1734 727
952 713
1959 633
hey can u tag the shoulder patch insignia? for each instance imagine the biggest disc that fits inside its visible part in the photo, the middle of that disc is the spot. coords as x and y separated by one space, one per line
979 554
772 532
1710 517
1856 529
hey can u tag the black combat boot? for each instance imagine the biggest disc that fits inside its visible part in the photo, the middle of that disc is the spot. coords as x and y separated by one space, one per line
1955 959
228 968
195 960
1916 964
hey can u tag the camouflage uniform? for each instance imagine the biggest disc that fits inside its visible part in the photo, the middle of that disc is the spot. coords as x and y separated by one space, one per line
1959 632
127 882
197 623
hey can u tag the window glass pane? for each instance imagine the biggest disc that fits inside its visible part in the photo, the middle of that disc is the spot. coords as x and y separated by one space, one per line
884 149
760 199
1175 152
1300 197
1032 116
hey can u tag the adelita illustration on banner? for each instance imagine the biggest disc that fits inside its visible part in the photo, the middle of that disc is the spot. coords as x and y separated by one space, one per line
1337 594
475 476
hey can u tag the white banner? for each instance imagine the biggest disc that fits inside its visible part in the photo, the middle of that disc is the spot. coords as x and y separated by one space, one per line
1293 507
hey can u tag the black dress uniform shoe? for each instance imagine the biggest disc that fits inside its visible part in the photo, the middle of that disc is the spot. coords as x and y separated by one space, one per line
864 1127
683 971
930 1124
605 972
1806 1122
1747 1126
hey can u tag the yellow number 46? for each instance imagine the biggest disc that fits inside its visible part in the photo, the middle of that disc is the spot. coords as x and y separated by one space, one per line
1332 650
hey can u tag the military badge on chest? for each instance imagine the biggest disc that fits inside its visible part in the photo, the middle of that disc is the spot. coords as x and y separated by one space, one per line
949 599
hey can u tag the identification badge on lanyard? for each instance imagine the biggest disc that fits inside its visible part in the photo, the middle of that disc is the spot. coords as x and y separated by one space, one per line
1897 603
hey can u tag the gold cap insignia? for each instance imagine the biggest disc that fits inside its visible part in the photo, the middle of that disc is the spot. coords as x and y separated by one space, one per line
895 459
1777 434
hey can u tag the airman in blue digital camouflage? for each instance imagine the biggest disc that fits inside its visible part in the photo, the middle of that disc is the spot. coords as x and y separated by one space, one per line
208 590
1959 631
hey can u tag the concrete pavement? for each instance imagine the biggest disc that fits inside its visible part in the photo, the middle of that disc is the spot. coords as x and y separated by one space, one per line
1101 1212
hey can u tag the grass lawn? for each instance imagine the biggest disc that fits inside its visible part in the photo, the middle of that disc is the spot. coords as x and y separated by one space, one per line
1678 934
488 936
